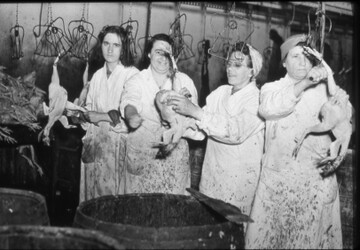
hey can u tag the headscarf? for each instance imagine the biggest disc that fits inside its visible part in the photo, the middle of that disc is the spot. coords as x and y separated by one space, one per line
256 58
291 43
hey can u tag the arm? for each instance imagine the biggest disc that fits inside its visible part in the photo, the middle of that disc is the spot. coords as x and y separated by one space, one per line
228 129
277 100
130 104
232 129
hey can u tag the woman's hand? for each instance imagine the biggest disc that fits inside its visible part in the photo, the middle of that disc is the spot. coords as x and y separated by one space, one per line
184 106
132 117
316 74
135 121
185 92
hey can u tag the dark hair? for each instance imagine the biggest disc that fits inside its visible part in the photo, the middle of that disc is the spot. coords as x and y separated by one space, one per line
96 59
145 61
243 48
158 37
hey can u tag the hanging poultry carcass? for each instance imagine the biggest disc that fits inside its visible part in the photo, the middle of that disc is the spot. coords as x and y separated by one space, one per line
336 116
178 123
58 103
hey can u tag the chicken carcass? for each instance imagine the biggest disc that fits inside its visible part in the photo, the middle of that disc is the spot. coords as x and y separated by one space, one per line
57 104
336 116
178 123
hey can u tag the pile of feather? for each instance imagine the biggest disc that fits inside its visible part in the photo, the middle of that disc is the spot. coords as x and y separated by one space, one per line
20 103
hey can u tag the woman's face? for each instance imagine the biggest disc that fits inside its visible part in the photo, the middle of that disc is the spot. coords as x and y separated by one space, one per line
111 48
237 70
158 60
297 64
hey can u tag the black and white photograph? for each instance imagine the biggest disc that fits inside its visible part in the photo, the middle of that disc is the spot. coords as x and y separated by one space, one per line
179 125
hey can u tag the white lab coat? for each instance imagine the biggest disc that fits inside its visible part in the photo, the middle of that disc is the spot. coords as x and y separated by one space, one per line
104 175
235 144
144 173
294 206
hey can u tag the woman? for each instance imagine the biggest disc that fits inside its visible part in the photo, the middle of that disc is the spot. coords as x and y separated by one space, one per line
102 170
295 207
145 173
235 131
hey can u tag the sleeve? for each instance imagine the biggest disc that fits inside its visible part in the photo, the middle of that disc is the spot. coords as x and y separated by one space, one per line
131 94
133 71
277 101
232 129
89 100
192 133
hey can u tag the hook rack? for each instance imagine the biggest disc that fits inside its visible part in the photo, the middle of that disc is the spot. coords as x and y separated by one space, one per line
81 38
54 39
229 36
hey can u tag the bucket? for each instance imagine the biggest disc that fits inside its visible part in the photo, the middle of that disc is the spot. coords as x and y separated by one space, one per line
44 237
156 220
22 207
346 193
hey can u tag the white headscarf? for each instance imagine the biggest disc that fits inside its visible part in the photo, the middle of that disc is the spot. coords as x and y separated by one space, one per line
256 58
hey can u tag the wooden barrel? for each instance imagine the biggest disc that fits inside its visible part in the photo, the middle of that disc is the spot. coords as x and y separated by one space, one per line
346 192
22 207
159 221
45 237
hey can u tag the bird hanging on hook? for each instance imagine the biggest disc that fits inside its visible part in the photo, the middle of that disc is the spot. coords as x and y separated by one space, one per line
17 37
131 28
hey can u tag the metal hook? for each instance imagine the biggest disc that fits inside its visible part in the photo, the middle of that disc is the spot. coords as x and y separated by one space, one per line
81 37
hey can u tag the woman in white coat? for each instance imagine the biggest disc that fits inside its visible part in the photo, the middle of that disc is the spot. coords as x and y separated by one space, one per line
145 173
102 167
295 207
234 129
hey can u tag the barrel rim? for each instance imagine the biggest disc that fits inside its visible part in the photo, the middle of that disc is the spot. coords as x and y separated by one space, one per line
66 231
28 193
96 223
